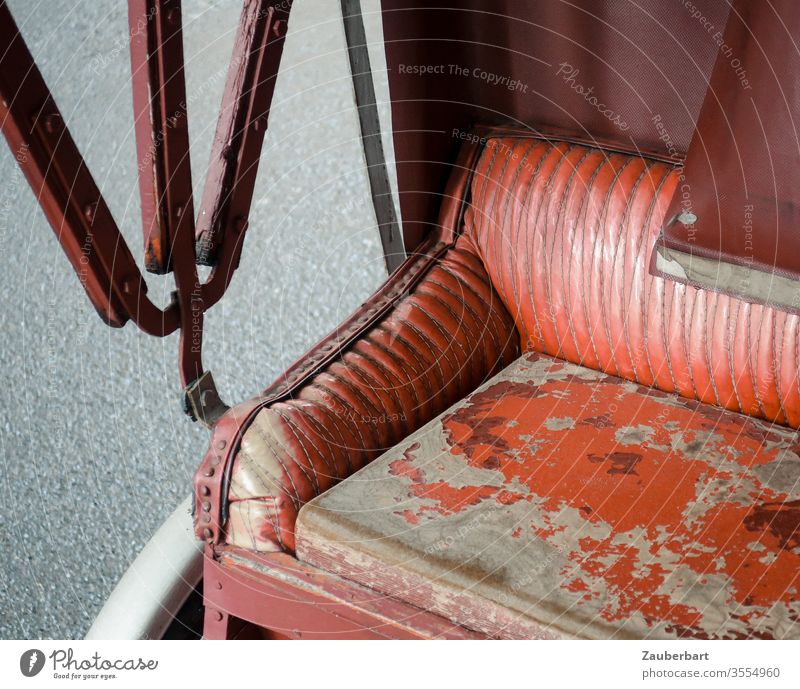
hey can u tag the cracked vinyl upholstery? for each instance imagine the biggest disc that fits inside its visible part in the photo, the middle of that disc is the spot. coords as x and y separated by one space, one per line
553 257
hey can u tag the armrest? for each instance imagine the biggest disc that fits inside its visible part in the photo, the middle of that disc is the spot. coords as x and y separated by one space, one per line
435 345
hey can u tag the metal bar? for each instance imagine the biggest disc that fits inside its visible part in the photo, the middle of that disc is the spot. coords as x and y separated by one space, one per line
161 125
391 238
165 176
242 123
284 595
83 223
67 193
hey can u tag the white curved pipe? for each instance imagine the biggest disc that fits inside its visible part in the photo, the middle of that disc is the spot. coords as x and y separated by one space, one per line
156 585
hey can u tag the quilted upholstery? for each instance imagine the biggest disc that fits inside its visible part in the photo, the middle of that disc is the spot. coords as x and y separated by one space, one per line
566 233
560 501
553 254
437 345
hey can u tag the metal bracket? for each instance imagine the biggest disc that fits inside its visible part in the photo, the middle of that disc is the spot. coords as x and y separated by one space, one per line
202 401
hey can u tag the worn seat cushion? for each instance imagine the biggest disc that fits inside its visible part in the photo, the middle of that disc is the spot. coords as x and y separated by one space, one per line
560 501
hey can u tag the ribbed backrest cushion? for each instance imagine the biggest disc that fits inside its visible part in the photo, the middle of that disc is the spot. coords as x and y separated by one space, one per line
566 233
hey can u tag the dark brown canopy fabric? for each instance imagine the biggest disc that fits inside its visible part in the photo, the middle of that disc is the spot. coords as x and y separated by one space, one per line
734 224
628 71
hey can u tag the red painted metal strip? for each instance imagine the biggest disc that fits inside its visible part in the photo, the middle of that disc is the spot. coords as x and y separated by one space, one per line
161 125
284 595
240 132
67 193
165 176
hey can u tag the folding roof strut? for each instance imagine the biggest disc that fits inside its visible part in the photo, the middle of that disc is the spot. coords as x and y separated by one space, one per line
162 134
241 126
77 212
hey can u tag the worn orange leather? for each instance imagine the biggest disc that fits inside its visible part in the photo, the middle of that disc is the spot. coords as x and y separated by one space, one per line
565 232
558 501
436 346
561 234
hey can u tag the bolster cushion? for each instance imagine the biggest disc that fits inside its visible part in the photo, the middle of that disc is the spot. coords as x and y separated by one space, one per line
441 341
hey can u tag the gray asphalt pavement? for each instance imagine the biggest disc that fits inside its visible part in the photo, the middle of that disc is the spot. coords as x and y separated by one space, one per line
95 449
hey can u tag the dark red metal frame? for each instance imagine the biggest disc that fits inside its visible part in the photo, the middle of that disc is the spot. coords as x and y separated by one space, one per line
281 597
77 212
